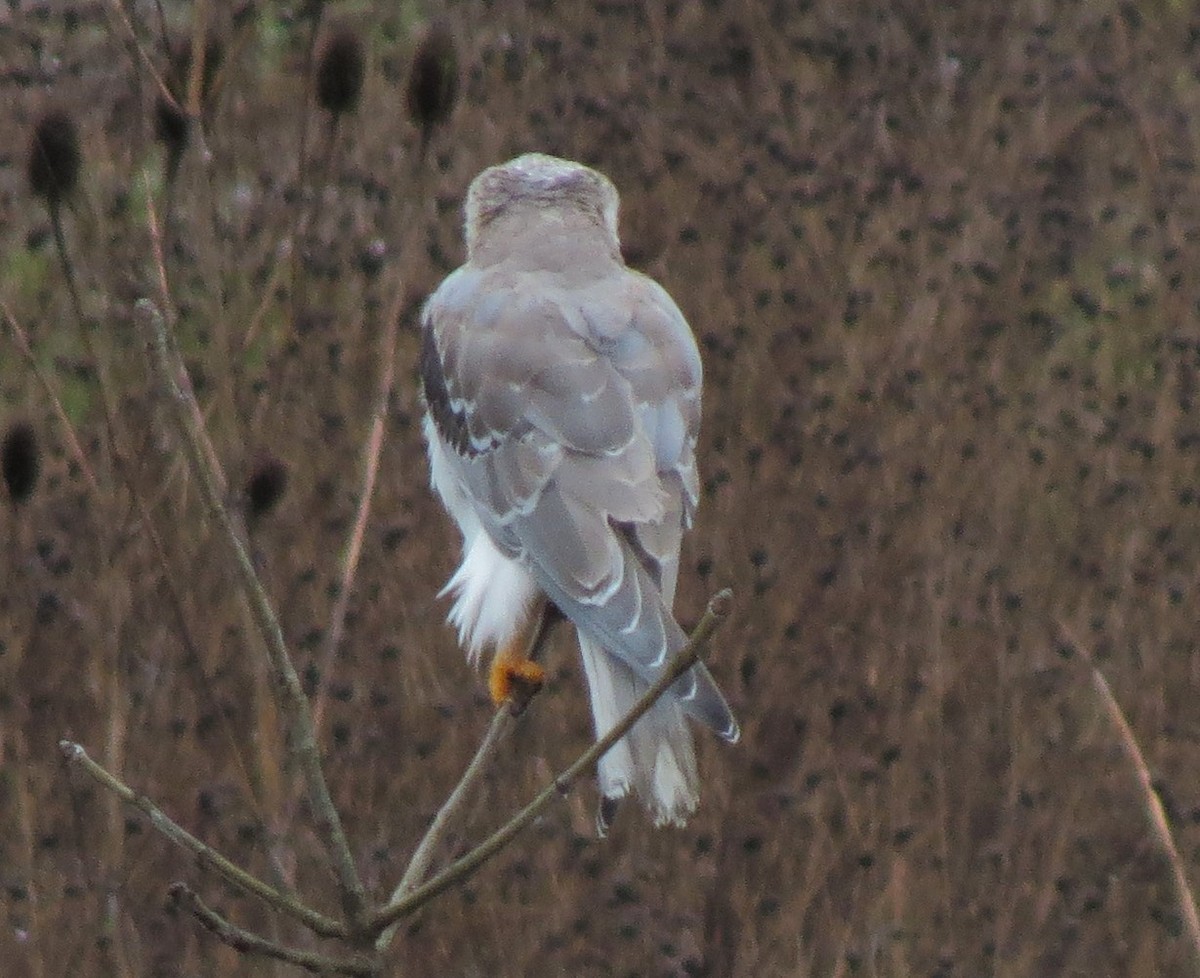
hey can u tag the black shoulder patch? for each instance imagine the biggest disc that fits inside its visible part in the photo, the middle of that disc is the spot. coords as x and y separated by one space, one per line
451 424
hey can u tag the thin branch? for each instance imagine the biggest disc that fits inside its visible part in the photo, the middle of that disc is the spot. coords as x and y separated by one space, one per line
353 551
179 376
208 857
247 943
199 43
422 857
1150 799
267 294
163 89
684 659
22 341
174 600
107 399
418 865
292 702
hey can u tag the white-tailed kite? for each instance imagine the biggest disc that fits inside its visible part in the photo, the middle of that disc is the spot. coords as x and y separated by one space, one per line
563 402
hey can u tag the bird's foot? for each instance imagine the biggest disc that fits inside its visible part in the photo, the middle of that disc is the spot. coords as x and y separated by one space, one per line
515 681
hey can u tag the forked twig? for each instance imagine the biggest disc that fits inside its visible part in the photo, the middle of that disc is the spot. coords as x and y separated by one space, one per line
208 857
246 942
362 924
381 924
685 658
422 857
292 702
148 59
502 722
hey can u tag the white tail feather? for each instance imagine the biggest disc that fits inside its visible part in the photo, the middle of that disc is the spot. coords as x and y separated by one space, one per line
655 758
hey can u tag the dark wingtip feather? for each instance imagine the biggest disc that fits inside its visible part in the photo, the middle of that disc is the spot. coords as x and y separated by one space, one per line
606 811
702 700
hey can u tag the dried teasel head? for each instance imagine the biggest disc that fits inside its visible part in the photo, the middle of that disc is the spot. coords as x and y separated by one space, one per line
265 487
54 157
20 461
340 72
432 80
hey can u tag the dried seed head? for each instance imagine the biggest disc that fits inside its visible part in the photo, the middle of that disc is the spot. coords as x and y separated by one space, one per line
340 72
265 487
170 127
53 165
20 461
171 121
433 80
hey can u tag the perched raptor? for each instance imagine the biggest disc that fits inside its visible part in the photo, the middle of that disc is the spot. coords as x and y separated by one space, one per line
563 402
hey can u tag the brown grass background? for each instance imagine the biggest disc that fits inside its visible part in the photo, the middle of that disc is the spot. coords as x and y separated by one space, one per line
944 263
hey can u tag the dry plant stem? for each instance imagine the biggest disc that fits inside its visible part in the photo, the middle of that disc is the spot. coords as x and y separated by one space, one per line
204 684
175 601
162 23
22 341
1153 805
353 550
106 396
459 870
418 866
268 300
179 379
292 703
307 208
502 721
1154 811
147 58
199 42
208 857
310 59
244 942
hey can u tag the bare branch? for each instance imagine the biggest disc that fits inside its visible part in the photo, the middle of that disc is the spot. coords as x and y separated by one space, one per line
208 857
684 659
292 703
22 341
250 944
422 856
502 723
350 557
164 90
178 377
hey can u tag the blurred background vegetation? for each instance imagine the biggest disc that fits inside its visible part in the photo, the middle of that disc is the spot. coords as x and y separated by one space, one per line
944 263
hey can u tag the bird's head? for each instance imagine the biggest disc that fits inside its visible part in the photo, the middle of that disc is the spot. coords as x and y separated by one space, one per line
535 187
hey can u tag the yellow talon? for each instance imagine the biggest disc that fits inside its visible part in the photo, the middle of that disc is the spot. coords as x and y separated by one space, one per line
516 680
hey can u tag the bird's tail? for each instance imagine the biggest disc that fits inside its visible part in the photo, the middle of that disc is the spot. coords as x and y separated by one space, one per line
656 758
